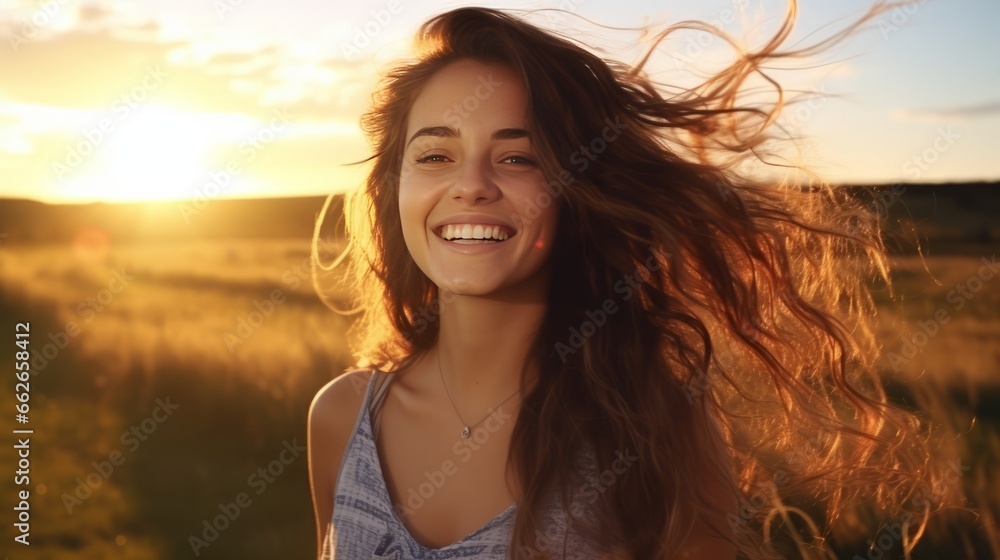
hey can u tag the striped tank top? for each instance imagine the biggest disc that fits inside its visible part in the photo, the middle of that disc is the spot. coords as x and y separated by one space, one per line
366 526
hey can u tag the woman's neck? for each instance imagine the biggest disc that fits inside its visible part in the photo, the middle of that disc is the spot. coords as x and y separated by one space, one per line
484 341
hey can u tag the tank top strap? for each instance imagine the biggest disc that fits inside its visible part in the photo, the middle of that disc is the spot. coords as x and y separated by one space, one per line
381 382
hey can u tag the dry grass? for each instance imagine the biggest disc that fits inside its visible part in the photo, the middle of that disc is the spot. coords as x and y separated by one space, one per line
937 331
241 396
173 329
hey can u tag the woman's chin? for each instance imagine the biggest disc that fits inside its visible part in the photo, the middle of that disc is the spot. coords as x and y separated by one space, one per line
469 286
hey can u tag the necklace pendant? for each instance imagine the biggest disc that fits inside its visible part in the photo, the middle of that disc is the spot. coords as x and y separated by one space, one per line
465 433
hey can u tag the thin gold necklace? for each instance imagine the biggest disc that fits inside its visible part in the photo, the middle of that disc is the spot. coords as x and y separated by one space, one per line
467 429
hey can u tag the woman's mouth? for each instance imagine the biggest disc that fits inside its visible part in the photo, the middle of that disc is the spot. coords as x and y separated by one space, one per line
470 234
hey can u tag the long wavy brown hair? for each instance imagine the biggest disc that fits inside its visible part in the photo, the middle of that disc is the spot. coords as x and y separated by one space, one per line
751 308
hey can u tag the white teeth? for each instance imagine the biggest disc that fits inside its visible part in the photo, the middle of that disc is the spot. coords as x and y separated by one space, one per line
473 231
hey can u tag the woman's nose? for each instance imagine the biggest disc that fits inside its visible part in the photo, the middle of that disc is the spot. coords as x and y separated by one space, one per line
475 182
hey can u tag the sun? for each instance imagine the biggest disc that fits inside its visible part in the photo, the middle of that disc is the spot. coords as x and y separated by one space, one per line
160 155
154 153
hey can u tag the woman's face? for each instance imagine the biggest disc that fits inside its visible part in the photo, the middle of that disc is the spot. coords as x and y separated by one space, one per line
472 201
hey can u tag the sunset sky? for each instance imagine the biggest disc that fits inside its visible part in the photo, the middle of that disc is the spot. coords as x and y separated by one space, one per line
175 99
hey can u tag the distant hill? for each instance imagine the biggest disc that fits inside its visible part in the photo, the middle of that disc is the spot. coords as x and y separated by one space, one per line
949 218
28 221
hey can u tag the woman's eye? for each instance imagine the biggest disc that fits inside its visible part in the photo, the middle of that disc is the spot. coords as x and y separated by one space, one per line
426 159
524 160
432 159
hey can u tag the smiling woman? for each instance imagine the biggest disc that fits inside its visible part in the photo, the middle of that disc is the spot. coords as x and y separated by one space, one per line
584 339
457 183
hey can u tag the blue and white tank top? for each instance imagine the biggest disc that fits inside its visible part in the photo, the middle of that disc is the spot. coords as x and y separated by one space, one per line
365 525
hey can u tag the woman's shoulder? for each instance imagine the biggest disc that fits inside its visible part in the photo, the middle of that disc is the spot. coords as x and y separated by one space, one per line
332 416
335 407
341 398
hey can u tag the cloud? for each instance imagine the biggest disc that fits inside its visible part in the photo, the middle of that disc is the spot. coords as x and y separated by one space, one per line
88 13
93 63
986 109
94 68
843 69
235 60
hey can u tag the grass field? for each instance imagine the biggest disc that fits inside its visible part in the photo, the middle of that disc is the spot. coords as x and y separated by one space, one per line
159 322
167 374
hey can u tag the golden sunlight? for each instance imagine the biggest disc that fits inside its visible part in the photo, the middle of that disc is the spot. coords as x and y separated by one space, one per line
157 153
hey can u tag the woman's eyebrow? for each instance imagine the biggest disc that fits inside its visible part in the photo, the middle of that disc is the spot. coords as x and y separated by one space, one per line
509 134
449 132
